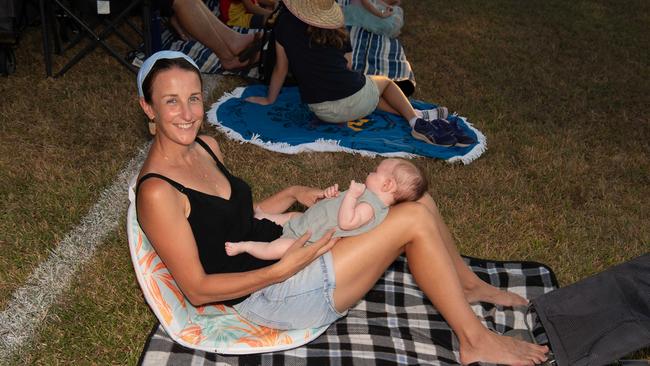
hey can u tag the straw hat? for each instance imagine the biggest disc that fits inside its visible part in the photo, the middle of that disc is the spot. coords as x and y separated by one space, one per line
319 13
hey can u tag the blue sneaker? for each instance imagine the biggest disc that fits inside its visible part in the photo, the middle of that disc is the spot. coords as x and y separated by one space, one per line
463 139
433 132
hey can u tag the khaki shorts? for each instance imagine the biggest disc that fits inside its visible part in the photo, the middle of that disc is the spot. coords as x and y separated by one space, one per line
357 105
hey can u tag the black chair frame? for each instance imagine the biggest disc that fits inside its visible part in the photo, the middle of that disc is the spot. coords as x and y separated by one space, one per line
108 25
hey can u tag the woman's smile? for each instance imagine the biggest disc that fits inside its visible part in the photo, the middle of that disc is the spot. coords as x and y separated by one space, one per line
185 125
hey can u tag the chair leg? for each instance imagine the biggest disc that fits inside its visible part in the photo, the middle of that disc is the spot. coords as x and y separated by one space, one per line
47 56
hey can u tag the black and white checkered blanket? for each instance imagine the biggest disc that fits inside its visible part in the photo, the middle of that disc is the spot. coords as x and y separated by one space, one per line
393 324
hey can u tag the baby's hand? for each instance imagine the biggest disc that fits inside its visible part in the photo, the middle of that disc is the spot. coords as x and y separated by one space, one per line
356 189
331 191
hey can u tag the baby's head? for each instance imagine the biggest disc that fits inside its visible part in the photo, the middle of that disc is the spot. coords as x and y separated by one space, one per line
397 180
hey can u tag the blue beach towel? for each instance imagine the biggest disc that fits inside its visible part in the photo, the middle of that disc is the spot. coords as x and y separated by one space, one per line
288 126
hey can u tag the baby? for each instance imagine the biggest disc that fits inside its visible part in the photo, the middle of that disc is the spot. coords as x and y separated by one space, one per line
355 211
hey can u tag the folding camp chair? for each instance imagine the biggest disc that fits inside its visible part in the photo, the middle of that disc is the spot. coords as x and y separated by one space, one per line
96 25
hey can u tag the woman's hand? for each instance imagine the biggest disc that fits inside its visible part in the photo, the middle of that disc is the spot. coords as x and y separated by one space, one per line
331 191
308 195
281 201
298 256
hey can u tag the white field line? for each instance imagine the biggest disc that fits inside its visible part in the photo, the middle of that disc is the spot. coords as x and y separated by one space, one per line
30 303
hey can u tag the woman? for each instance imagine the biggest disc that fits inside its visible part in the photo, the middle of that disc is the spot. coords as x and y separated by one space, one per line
188 205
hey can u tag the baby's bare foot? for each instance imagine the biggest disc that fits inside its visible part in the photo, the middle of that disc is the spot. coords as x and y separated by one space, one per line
233 248
487 293
494 348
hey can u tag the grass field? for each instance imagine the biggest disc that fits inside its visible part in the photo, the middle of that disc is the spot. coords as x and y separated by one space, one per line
560 89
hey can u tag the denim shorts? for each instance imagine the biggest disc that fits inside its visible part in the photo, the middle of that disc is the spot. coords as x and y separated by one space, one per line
357 105
303 301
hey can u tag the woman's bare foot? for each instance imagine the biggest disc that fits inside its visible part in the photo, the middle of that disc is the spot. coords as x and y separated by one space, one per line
241 42
233 64
487 293
494 348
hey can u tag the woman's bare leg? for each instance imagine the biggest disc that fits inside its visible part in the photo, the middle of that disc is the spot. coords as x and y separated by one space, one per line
475 289
392 99
201 24
359 261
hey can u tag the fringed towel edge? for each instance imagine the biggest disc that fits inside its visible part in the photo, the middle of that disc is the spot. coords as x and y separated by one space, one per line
323 145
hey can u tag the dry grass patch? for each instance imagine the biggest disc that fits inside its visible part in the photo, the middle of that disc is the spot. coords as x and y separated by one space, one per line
62 141
102 320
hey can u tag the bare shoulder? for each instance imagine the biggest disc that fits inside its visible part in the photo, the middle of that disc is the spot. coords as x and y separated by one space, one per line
156 190
214 146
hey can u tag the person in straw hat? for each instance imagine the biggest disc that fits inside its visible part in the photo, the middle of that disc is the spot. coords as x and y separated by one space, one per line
312 42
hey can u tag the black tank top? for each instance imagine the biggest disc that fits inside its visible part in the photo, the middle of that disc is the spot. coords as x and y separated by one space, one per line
215 220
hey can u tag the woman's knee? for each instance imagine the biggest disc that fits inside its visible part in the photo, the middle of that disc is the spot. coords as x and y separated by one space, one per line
427 201
381 81
413 215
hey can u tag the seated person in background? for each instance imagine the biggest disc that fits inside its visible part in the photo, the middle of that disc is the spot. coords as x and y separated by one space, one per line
245 13
311 41
193 19
356 211
377 16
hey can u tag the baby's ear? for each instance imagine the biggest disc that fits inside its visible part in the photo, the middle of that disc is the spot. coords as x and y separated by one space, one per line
390 185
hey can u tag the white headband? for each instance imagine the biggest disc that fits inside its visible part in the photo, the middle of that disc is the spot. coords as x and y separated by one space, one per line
148 64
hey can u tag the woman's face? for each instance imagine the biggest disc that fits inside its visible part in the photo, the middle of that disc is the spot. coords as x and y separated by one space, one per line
176 105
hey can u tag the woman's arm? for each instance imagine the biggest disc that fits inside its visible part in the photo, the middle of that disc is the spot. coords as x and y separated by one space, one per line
162 214
348 58
281 201
280 71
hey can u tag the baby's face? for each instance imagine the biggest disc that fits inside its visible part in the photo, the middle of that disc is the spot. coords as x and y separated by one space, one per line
376 180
